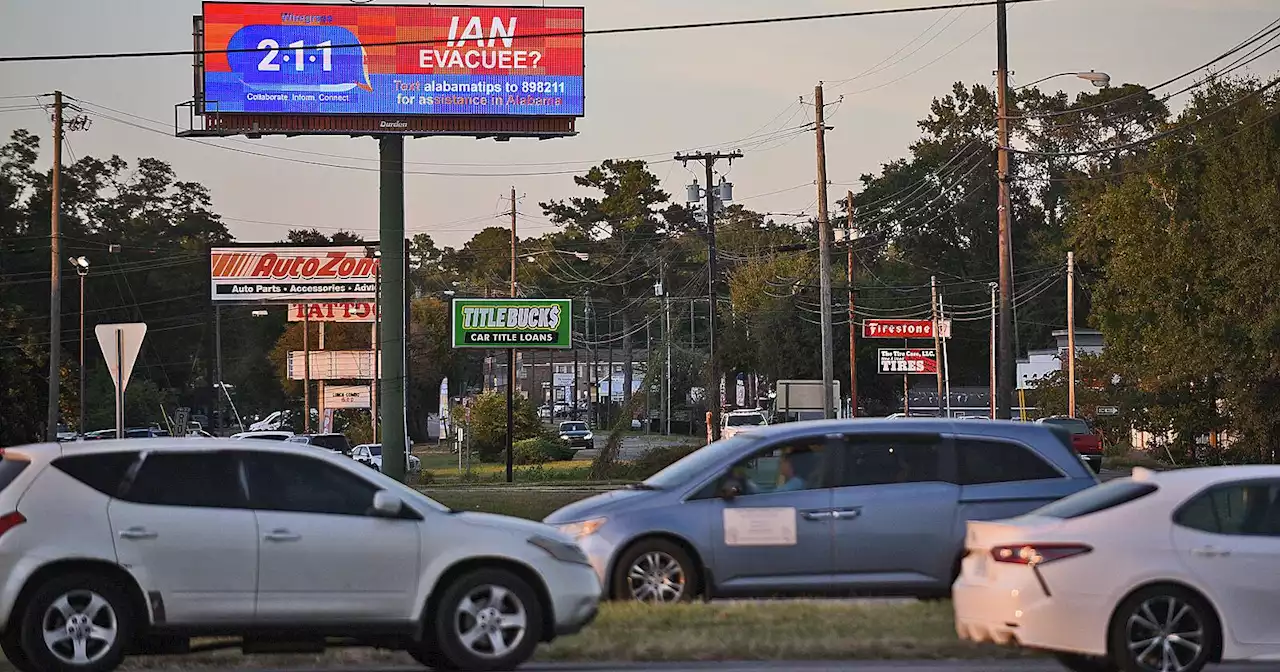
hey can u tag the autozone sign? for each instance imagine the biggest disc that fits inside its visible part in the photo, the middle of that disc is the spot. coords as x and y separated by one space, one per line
331 312
284 274
904 329
907 361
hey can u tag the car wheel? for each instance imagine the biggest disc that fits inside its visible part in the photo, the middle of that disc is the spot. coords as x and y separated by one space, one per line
488 620
657 571
76 623
1163 629
11 646
1080 663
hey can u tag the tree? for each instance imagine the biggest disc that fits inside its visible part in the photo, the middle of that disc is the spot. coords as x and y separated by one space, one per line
1187 297
488 426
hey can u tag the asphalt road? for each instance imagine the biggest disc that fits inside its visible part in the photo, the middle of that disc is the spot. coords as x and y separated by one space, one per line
796 666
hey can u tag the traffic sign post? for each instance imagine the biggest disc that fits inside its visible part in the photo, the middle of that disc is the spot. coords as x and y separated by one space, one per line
120 345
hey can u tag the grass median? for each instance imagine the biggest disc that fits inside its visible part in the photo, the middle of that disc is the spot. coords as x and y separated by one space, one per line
523 503
741 631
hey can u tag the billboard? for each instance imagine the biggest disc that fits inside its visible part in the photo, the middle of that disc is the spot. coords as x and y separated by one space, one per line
286 274
331 364
328 59
903 361
332 312
347 396
512 323
904 329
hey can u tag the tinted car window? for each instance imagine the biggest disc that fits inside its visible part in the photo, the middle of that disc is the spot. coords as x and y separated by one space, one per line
890 459
332 442
981 461
1096 499
1246 509
9 470
573 426
1073 425
103 472
282 482
204 479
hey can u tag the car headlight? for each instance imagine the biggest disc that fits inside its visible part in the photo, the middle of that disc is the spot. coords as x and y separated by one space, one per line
564 437
564 552
588 436
584 528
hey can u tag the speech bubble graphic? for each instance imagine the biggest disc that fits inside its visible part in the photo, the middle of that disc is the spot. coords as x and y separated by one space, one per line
298 58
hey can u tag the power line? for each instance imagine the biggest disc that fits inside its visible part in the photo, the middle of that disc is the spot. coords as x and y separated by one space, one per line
570 33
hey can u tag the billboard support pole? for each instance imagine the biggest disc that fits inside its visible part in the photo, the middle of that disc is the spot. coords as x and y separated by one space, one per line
306 372
391 242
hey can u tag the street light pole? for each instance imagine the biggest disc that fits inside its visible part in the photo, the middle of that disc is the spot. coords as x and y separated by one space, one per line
82 269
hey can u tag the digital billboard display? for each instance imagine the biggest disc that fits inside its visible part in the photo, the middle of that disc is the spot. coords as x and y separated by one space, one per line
433 60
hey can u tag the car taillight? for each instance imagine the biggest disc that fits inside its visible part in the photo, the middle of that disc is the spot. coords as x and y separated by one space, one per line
11 520
1037 554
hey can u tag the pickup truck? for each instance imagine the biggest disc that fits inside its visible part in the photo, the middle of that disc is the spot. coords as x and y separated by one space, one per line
1084 439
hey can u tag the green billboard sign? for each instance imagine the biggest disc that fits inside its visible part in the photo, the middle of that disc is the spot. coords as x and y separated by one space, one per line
512 323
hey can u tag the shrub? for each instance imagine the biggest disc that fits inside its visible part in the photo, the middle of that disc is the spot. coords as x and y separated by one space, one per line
540 450
652 462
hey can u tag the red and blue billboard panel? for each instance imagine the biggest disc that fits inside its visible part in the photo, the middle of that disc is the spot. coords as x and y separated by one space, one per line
330 59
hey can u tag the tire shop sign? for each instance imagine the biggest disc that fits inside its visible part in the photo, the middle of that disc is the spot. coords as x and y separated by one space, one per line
908 361
904 329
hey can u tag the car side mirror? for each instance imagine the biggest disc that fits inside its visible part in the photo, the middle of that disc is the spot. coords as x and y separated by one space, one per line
386 504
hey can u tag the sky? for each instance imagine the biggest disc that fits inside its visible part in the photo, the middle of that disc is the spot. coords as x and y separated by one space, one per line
648 95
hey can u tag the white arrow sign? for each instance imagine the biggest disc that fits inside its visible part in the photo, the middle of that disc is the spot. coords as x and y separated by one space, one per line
120 345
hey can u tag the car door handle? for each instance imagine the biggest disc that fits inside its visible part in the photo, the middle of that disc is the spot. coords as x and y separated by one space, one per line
816 515
847 514
1210 552
135 533
282 535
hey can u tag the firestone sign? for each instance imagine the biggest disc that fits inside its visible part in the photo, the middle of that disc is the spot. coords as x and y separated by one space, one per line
904 329
292 274
512 323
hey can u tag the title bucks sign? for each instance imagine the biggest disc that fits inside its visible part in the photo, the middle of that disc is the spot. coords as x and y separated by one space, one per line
512 323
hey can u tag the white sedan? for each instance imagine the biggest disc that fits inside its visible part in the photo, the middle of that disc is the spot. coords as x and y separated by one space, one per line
1160 572
370 454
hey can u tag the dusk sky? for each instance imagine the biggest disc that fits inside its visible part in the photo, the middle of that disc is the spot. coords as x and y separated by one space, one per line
648 95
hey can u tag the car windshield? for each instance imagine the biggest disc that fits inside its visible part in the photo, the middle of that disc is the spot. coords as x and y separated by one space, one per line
1073 425
745 420
697 463
573 427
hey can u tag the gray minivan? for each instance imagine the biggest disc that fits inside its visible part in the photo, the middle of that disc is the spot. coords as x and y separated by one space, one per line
864 506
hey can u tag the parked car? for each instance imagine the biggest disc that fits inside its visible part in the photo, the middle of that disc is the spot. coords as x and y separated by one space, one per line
1084 439
370 454
741 421
1161 571
137 546
264 435
868 506
577 434
335 443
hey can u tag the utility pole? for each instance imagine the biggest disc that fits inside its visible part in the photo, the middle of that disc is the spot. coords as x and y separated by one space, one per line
55 272
1071 334
937 339
992 393
82 269
1006 368
666 336
511 356
320 397
824 261
853 322
714 379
